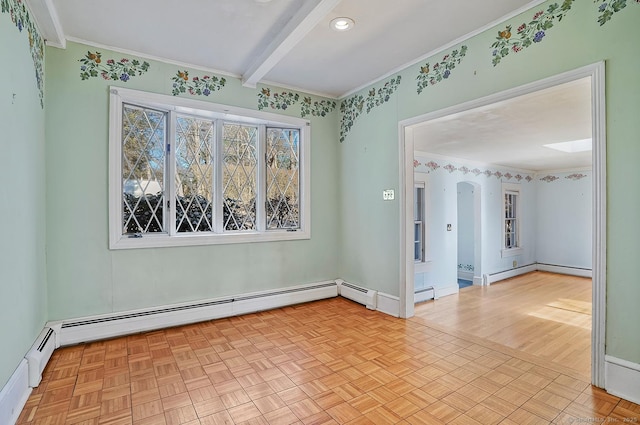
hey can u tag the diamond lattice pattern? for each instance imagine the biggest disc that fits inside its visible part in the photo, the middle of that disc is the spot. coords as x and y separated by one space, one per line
239 176
143 167
194 175
283 178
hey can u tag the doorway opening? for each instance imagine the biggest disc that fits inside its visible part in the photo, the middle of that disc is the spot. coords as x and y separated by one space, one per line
469 229
594 74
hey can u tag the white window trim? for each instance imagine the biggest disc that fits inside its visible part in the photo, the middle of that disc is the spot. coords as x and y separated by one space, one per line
117 240
424 265
519 250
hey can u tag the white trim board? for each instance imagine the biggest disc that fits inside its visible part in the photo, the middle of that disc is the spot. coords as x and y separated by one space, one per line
622 378
14 395
488 279
573 271
465 275
388 304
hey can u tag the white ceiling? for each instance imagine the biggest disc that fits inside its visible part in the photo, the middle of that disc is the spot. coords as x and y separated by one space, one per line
283 42
512 133
289 43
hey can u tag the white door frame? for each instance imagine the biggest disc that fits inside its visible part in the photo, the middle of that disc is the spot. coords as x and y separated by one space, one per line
406 151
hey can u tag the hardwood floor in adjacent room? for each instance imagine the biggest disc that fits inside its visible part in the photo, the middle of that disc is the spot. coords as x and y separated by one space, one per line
326 362
544 314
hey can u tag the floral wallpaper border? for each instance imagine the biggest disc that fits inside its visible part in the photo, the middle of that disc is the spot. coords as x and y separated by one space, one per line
283 100
198 86
528 34
121 70
441 70
21 18
575 177
608 8
432 166
352 107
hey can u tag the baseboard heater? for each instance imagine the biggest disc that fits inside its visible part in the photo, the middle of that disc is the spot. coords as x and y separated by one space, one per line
425 294
112 325
39 355
364 296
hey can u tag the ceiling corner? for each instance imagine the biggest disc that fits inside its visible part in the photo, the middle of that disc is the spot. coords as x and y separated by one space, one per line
48 22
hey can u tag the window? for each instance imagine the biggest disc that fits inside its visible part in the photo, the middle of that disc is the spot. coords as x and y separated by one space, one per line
511 220
418 222
187 172
420 227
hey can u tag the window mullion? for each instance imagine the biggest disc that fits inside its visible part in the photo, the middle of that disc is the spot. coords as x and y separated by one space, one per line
170 197
261 189
218 166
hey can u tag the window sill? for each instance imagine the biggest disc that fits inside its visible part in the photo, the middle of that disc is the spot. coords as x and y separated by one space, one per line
512 252
165 241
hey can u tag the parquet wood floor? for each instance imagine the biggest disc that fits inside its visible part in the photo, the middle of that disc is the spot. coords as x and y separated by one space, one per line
544 314
326 362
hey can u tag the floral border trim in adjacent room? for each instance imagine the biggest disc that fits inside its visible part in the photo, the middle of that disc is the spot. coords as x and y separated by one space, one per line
351 108
283 100
441 70
121 70
466 267
549 178
576 176
608 8
198 86
530 33
21 18
432 166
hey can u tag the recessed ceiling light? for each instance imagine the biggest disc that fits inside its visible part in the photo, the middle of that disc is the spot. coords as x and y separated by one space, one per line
571 147
342 24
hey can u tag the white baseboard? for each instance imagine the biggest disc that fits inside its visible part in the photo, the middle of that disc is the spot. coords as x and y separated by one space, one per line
622 378
15 394
388 304
488 279
111 325
465 275
573 271
448 290
477 280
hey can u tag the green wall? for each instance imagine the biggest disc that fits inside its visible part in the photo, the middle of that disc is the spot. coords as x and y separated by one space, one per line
369 154
86 278
355 234
23 295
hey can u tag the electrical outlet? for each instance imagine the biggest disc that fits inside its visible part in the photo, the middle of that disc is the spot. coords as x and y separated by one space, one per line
515 264
388 195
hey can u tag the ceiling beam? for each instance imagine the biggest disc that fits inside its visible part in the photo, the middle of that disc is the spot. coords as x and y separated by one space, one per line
48 22
309 15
